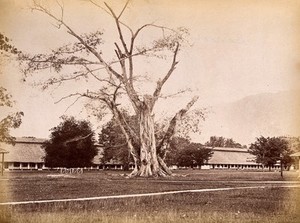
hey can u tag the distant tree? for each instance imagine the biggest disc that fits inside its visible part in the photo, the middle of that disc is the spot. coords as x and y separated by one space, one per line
230 143
71 144
293 142
13 119
216 141
194 154
176 145
114 142
270 150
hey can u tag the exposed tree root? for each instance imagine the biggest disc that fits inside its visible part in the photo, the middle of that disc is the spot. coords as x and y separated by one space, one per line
147 172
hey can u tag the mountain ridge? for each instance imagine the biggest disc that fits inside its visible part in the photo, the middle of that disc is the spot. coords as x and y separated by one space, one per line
267 114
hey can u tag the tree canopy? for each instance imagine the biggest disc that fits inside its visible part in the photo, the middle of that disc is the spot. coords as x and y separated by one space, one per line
216 141
114 143
269 150
121 79
294 143
183 152
13 119
71 144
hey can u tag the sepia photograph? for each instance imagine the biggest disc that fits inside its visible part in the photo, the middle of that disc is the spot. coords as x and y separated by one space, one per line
153 111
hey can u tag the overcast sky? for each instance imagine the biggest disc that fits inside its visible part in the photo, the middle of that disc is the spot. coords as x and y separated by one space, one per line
238 48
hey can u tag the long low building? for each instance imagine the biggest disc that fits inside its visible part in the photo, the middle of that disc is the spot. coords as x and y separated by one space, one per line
233 158
28 154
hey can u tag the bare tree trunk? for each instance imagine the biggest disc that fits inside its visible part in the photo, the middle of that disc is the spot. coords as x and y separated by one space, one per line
148 156
149 164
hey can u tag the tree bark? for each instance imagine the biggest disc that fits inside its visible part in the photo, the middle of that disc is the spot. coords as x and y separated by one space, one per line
149 165
148 156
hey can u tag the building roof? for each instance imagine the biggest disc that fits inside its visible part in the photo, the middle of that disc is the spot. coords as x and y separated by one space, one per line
29 150
25 152
30 140
231 156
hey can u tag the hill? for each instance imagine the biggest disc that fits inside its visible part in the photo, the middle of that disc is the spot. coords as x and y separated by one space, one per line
268 114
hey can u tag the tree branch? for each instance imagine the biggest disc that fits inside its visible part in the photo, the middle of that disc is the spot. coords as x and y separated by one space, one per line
160 83
163 145
125 6
108 68
102 8
121 37
73 103
76 139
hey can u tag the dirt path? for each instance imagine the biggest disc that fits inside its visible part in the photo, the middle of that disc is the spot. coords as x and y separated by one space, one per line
146 194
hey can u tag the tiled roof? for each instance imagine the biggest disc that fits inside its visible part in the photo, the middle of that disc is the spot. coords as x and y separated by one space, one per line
24 152
231 156
29 150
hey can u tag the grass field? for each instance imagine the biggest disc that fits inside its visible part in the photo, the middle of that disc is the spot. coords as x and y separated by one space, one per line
270 204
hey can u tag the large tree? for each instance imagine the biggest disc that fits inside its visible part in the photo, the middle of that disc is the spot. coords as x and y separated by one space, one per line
71 144
118 78
269 150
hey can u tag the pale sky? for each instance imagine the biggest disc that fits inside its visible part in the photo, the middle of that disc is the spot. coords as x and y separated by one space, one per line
238 48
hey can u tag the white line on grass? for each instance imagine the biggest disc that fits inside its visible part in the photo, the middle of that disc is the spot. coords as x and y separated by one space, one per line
223 181
142 195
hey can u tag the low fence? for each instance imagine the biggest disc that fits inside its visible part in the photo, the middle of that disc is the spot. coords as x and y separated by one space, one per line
71 170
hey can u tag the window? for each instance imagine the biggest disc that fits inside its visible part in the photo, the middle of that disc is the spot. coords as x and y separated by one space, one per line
24 164
16 164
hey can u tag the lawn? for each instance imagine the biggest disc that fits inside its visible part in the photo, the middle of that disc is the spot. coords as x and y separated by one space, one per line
270 204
